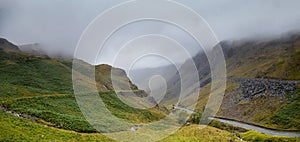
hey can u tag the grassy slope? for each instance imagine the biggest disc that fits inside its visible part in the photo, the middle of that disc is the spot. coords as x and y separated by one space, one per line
42 87
18 129
63 111
259 137
288 116
14 129
279 59
59 110
195 133
34 73
41 75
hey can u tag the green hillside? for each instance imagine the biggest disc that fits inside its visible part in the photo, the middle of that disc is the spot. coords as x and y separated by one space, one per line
277 59
42 87
19 129
288 116
16 129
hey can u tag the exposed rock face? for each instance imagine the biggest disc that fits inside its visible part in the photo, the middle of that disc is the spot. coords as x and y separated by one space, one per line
2 41
5 44
251 88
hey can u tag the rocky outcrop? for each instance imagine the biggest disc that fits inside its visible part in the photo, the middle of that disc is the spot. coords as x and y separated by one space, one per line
5 44
256 100
251 88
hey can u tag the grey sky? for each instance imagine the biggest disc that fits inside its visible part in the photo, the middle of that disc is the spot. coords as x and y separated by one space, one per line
58 24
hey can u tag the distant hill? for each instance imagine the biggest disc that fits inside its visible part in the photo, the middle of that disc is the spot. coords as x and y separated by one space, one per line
6 45
33 49
142 76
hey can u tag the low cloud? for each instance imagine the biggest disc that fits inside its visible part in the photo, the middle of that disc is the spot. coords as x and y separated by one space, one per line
58 24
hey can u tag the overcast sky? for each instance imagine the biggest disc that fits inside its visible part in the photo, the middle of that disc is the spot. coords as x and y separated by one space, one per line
58 24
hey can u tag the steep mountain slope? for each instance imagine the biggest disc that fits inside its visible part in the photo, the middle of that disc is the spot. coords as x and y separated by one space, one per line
5 45
250 95
42 87
262 101
277 59
270 59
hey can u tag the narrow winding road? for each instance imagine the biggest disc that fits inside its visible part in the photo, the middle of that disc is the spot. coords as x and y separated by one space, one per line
248 126
259 129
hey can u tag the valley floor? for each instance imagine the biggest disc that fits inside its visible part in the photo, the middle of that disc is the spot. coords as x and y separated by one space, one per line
15 128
